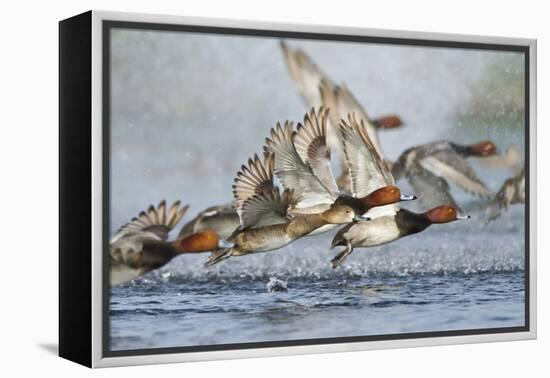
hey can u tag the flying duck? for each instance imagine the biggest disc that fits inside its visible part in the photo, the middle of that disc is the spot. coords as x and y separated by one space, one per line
142 245
302 164
223 219
430 167
367 171
265 223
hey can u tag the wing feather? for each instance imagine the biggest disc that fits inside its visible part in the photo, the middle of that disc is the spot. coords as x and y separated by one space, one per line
311 145
253 179
341 102
257 200
153 223
432 190
293 173
305 74
368 170
454 168
265 209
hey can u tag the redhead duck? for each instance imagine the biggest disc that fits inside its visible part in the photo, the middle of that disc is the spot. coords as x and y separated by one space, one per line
223 219
142 245
429 168
302 164
266 224
367 170
386 229
510 193
317 89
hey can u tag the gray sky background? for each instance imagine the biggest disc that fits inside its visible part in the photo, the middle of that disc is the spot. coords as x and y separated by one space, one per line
188 109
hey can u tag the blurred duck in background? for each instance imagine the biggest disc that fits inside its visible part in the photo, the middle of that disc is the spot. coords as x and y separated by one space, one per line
368 169
311 82
307 77
430 167
223 219
512 192
266 224
142 245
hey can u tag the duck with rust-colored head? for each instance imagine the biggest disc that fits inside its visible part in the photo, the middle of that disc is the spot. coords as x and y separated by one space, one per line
430 168
266 224
302 164
386 229
142 245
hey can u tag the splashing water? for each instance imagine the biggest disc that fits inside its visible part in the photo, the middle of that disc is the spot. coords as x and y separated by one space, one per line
276 285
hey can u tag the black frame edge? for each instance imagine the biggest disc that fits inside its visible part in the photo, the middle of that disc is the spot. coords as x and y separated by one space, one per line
75 194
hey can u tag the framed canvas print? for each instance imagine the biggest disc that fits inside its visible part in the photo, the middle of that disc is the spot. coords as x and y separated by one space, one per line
234 189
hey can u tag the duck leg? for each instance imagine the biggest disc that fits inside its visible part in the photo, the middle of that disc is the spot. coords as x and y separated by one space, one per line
339 258
217 256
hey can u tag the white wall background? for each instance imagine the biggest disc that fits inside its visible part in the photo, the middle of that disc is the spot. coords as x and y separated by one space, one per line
28 148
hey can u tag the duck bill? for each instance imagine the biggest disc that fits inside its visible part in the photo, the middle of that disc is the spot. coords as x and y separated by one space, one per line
358 218
460 216
225 244
407 197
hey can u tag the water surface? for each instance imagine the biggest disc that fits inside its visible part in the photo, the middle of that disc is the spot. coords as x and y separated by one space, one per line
428 282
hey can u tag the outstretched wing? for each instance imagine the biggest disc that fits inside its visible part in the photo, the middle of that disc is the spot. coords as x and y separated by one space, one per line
257 200
368 170
293 173
311 145
341 102
305 73
253 179
266 209
222 219
432 190
155 222
452 167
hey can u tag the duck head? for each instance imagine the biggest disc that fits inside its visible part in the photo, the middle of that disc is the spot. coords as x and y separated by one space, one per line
444 214
388 122
202 241
386 196
341 214
485 148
